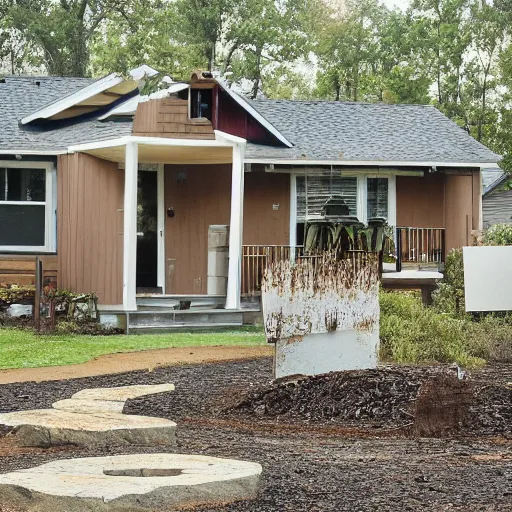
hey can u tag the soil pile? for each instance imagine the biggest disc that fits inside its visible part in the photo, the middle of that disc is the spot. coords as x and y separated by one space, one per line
428 401
382 397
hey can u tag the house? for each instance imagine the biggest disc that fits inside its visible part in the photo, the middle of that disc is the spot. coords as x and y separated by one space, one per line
496 203
119 192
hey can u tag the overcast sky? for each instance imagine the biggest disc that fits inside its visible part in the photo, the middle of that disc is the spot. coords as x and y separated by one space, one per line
403 4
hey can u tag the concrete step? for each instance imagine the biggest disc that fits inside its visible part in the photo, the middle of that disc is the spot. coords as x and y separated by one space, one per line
188 316
195 327
170 301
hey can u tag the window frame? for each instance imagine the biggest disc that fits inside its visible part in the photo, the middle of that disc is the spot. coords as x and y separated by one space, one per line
50 204
362 196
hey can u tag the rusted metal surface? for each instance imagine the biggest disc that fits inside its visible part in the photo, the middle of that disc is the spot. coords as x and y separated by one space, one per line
322 313
321 294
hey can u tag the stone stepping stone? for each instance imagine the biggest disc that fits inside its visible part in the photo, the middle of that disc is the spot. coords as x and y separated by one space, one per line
93 417
126 483
50 427
90 401
123 393
89 406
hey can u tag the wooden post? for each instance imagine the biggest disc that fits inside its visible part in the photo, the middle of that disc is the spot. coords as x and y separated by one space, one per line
37 298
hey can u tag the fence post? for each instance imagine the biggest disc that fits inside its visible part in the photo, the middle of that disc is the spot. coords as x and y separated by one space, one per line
37 298
398 249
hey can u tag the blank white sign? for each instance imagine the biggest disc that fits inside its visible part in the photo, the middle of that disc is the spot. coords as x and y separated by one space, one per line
488 278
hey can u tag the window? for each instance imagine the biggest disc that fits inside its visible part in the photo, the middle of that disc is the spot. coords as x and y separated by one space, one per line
377 197
27 213
313 192
201 103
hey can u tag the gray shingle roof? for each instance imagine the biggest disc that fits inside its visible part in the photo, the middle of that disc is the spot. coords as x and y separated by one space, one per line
21 96
319 130
329 130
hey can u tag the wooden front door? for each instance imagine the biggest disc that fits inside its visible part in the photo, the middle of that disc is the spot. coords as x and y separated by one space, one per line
199 196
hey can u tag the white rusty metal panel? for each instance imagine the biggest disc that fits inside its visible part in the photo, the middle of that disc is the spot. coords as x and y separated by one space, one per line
313 354
323 314
488 278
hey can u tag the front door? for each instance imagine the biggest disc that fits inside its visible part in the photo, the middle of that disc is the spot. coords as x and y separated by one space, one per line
147 232
196 196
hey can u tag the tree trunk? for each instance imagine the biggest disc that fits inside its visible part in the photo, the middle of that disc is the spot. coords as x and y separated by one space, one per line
257 78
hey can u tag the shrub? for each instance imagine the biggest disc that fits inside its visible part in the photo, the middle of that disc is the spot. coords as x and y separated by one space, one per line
413 333
448 297
490 338
499 234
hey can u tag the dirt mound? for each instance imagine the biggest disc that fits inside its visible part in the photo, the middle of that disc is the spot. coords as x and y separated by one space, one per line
427 401
382 397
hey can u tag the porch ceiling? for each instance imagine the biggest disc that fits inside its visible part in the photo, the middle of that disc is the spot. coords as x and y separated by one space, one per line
163 151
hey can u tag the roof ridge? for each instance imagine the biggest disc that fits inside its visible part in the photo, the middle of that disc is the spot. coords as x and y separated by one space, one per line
338 102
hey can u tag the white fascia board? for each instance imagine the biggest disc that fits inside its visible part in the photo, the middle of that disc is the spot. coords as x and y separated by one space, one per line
254 113
375 163
34 152
226 136
148 141
77 97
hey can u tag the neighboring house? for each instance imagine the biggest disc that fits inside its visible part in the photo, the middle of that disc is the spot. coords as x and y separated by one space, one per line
75 154
496 203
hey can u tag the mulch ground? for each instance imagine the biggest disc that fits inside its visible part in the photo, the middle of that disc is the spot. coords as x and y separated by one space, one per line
315 461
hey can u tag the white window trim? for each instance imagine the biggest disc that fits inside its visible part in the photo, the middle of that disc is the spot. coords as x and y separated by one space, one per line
50 203
362 197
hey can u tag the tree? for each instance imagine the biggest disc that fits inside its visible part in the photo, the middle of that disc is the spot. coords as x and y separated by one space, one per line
61 31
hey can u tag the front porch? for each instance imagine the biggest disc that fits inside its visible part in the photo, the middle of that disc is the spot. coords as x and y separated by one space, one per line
129 152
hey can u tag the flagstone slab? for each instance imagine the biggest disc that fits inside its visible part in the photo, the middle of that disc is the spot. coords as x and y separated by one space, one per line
122 393
89 406
130 483
50 427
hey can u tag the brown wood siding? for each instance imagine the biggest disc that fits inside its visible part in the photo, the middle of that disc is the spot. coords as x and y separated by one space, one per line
200 196
477 198
169 118
90 226
20 269
262 224
420 201
459 210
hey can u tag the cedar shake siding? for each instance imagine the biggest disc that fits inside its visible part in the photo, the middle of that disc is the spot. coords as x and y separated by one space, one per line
169 118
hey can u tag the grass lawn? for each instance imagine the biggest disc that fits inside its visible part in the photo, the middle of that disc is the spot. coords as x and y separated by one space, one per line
24 349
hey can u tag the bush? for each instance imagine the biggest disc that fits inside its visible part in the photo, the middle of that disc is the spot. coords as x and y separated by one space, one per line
88 327
448 297
499 234
413 333
490 337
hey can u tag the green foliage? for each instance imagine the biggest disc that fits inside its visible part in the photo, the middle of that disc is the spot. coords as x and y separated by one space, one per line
449 294
499 234
412 333
340 238
14 294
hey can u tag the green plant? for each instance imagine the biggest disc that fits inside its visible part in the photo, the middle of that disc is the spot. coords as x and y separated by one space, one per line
499 234
413 333
340 238
448 297
13 294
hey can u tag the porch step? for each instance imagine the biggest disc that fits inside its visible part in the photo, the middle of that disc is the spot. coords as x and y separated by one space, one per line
161 319
195 327
169 302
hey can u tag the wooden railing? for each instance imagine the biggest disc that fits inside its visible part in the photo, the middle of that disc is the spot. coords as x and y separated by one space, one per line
421 247
255 259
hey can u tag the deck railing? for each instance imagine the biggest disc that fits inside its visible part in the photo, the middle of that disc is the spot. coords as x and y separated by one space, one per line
255 258
420 247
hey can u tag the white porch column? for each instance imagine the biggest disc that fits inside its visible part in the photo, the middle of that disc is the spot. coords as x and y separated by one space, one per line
130 227
236 228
